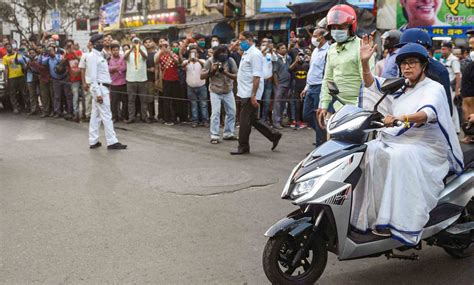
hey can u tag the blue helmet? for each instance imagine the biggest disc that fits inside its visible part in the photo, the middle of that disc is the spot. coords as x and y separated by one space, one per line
415 35
412 50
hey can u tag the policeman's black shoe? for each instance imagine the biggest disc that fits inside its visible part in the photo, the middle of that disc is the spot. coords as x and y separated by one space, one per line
117 146
98 144
240 151
276 140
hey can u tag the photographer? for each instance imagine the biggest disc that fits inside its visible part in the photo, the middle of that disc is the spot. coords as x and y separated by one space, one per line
221 71
72 58
136 79
300 72
196 88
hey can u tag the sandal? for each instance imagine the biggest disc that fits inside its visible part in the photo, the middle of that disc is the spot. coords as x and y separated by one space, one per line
214 141
382 232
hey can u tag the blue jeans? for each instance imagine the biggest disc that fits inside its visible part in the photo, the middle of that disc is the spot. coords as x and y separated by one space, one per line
311 104
75 96
198 96
229 107
267 95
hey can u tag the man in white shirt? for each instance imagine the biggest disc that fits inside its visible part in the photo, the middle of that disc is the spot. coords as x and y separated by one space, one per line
250 90
136 77
86 94
313 83
197 91
97 79
452 64
269 58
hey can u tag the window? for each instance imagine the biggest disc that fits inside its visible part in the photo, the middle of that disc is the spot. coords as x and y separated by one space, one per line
163 4
215 1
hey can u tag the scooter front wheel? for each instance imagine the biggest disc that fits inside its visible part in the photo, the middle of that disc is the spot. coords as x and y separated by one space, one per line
278 257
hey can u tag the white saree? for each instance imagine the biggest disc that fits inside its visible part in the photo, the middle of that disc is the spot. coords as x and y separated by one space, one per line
404 168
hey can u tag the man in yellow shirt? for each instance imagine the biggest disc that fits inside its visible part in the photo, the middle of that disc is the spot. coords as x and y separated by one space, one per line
14 78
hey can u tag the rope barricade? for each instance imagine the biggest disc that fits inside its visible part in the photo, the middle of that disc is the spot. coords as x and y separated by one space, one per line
184 99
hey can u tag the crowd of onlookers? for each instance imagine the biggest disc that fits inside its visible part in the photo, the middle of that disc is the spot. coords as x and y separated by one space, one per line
194 79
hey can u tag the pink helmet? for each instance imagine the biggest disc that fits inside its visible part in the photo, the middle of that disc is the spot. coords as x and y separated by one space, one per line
342 14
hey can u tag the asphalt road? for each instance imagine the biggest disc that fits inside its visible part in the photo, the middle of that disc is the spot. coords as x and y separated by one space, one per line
171 209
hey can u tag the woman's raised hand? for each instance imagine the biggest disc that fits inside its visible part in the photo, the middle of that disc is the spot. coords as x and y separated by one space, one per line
367 48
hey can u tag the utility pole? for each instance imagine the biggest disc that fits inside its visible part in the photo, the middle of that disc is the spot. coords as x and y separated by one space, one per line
145 11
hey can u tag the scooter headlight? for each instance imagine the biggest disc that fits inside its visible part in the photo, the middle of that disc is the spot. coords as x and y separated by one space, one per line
303 188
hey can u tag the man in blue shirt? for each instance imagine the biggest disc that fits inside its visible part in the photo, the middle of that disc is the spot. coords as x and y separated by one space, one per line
390 40
58 72
32 80
313 83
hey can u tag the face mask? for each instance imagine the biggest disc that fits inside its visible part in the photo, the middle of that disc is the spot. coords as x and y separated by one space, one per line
99 47
301 43
214 43
201 44
244 45
471 54
315 42
437 55
222 57
339 36
175 50
14 46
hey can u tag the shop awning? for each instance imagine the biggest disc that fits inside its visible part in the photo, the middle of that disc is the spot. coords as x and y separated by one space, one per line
152 28
200 24
313 7
268 22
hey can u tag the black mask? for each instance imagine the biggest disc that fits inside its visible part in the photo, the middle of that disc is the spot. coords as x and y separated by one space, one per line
99 47
301 43
222 57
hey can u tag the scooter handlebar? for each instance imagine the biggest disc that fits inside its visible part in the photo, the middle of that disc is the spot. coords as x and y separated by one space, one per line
398 123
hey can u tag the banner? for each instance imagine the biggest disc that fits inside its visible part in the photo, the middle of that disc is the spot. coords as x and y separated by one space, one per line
449 18
109 16
364 4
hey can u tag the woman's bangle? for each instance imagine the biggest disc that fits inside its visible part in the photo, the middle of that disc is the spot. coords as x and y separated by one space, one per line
367 72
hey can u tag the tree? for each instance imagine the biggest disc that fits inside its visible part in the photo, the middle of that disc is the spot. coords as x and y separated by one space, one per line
29 16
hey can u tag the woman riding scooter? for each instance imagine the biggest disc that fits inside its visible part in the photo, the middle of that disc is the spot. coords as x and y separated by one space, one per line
405 166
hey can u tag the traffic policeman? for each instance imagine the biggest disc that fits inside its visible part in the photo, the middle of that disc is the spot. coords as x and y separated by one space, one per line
98 80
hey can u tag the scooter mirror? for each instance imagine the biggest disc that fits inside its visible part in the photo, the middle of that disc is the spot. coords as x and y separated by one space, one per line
391 85
333 90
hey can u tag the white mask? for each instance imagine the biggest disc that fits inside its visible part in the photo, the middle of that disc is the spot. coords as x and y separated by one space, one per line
314 42
214 43
471 54
339 36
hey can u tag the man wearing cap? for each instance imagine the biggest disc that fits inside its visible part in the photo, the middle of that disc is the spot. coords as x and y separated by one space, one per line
97 78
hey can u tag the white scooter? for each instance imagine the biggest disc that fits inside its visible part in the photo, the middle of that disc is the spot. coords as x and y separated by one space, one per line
321 185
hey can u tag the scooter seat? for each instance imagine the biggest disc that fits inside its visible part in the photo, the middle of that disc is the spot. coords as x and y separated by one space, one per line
468 153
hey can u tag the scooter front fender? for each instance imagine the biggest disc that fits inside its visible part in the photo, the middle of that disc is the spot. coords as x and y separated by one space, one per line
294 224
289 226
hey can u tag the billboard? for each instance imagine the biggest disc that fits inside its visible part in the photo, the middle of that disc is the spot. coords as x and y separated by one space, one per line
449 18
109 16
272 6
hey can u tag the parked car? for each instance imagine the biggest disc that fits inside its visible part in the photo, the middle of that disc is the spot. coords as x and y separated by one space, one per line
4 98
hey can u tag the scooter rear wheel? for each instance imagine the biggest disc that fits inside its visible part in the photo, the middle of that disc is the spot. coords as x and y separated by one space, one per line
280 251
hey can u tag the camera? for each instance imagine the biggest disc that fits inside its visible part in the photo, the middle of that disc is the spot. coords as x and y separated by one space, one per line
220 67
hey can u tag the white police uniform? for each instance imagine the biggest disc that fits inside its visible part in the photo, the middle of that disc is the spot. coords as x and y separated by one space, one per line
98 76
